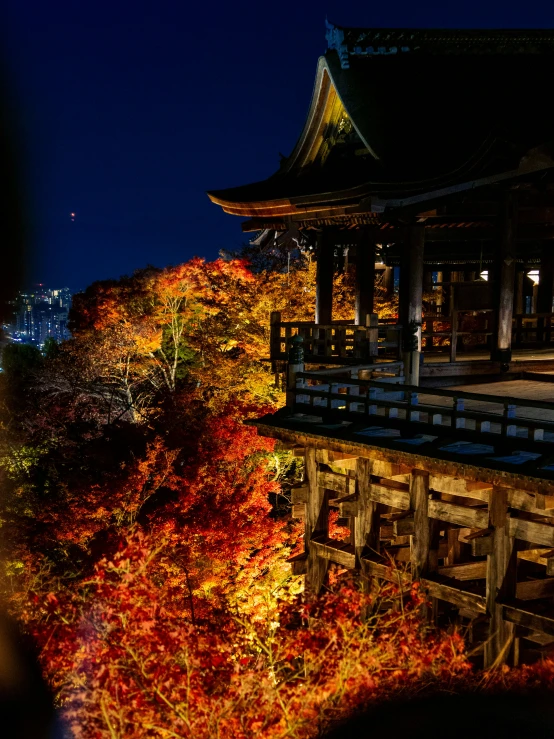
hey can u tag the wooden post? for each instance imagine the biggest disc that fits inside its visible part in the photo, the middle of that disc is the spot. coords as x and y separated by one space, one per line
365 279
317 523
410 300
324 278
421 539
501 579
545 292
366 523
505 279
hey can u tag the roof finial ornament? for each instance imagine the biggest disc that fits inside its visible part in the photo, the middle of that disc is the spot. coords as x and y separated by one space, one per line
335 40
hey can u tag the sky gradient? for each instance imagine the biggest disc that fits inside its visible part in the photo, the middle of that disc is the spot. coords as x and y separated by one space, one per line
127 112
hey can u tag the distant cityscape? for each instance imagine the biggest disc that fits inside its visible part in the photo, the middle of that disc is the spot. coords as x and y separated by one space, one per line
40 314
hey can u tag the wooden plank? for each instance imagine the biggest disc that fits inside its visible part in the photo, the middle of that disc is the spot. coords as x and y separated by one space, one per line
418 502
501 579
342 484
459 486
389 496
529 619
465 571
537 533
334 551
470 517
535 589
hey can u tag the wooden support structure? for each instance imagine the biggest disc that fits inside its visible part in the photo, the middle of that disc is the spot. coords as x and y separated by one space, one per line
461 536
324 277
365 280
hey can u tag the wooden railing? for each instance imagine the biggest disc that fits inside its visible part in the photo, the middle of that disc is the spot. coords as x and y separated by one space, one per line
532 329
445 334
428 411
340 342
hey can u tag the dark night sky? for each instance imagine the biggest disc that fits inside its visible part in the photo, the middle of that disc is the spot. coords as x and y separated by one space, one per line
129 111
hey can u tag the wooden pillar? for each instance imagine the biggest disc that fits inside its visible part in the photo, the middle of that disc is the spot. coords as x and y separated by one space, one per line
324 278
501 580
316 523
410 300
365 279
421 539
505 278
545 291
366 527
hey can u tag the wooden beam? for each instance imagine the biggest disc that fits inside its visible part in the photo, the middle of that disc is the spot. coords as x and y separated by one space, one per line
528 618
459 486
334 551
457 597
389 496
465 571
387 572
537 533
535 589
442 591
474 518
342 484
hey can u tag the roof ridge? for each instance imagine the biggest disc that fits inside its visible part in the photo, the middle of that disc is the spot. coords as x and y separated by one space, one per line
367 42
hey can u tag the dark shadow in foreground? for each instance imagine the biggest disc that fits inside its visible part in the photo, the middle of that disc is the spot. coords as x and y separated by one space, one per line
467 716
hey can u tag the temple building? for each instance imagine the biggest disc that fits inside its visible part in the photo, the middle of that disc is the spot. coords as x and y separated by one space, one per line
428 154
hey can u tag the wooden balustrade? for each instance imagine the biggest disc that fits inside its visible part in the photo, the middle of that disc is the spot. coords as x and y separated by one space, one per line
338 342
533 329
387 401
